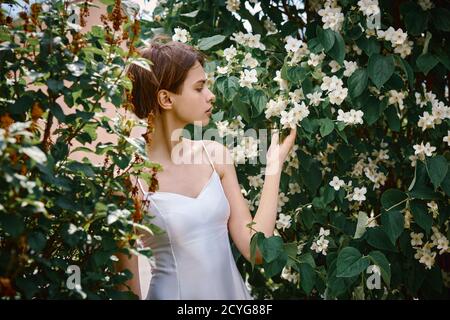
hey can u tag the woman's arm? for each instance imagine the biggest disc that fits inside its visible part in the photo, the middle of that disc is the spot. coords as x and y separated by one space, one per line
266 215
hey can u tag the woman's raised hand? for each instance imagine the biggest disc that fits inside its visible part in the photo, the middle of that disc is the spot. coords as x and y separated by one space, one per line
277 153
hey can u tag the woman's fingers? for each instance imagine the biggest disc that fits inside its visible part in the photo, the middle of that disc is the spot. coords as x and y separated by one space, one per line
290 139
275 137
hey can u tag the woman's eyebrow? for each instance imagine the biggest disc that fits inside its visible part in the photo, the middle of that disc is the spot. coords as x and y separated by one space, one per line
200 81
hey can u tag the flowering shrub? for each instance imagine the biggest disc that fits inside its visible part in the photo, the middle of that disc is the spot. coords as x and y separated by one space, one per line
59 215
365 190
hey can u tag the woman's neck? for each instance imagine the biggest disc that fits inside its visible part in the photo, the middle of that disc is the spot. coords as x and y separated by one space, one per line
165 138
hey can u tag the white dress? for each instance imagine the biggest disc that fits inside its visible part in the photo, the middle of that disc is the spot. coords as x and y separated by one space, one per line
193 258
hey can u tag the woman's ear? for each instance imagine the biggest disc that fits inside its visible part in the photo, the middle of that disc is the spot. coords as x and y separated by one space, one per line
165 99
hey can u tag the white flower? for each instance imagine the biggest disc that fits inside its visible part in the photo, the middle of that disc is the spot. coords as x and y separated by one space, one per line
289 276
350 117
282 200
222 128
248 77
283 83
72 229
332 18
331 83
447 138
230 53
426 121
359 194
274 108
320 246
117 214
297 95
233 5
315 59
292 44
337 183
222 70
369 7
249 61
284 221
238 154
428 259
315 98
324 232
396 97
294 188
338 96
426 4
255 181
334 65
416 239
350 67
181 35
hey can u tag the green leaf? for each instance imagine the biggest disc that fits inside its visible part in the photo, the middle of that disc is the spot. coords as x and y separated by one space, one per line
445 184
350 263
37 241
421 216
357 82
381 261
372 108
380 69
393 199
315 46
337 52
55 85
370 46
378 238
312 178
12 224
326 126
441 18
35 153
22 105
307 277
415 18
272 247
361 225
392 118
257 238
259 101
437 169
393 224
209 42
230 88
326 38
307 258
426 62
273 268
296 74
408 71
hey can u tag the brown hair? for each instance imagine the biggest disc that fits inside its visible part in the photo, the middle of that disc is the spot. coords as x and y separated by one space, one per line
171 61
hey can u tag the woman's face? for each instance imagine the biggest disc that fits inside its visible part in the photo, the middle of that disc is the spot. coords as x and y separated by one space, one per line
194 103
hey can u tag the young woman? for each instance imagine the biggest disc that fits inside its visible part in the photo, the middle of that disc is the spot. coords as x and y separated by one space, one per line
198 204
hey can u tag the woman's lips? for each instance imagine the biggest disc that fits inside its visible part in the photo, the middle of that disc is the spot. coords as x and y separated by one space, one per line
209 110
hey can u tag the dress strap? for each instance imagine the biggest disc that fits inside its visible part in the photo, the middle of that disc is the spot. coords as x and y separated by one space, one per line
207 154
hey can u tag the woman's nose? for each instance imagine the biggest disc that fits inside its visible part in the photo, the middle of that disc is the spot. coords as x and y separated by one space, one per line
212 97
